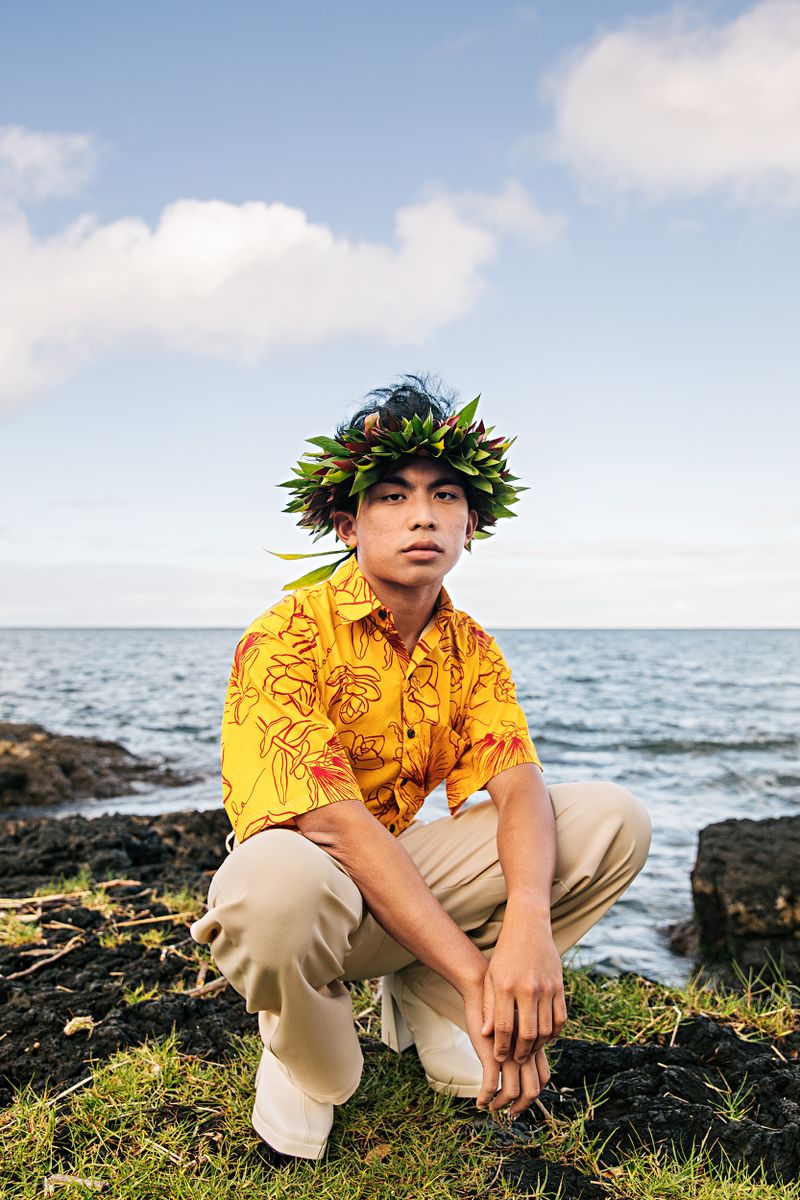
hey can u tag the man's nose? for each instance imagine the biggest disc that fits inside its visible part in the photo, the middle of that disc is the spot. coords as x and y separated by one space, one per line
421 513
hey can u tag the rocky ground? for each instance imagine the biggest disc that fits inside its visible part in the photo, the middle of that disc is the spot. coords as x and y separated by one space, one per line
746 899
102 963
38 767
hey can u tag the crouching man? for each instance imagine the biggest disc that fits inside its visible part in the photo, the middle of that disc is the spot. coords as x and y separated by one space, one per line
349 701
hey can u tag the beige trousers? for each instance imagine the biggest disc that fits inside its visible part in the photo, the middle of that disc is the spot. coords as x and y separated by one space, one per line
286 924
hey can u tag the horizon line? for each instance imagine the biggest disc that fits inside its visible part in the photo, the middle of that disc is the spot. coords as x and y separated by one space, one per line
509 628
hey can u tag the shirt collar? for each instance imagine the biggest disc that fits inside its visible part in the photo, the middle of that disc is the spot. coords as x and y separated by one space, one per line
353 598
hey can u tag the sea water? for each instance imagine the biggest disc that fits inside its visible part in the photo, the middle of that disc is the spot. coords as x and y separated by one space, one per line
699 724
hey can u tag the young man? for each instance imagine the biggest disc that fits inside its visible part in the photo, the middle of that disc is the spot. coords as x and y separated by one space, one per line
349 701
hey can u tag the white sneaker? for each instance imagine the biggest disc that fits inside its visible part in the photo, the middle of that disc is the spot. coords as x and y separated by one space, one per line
447 1055
288 1120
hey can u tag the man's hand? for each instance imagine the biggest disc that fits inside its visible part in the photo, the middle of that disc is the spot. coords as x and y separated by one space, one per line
523 989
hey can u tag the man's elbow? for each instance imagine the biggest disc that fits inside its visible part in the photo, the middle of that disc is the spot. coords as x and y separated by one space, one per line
335 826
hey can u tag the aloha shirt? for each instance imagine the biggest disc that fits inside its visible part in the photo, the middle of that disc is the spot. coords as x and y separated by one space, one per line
325 704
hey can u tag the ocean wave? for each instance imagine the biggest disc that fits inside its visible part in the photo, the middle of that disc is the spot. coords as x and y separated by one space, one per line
707 745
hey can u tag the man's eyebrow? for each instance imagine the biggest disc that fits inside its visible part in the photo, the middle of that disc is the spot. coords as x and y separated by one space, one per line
401 480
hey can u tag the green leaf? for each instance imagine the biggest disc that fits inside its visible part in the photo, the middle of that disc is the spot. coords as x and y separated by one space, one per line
482 485
313 554
363 481
465 417
316 576
461 464
326 443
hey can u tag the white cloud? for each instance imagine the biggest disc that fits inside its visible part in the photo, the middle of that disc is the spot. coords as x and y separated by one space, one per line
669 107
514 212
213 278
37 165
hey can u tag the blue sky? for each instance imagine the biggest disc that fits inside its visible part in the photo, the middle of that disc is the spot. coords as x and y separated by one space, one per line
220 226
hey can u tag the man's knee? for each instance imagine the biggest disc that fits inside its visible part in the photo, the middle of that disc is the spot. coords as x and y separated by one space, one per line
635 824
597 818
275 898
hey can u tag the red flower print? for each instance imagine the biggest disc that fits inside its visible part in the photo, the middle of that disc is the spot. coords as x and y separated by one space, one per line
329 774
285 742
354 688
300 630
288 677
365 752
497 753
381 801
421 702
504 689
242 692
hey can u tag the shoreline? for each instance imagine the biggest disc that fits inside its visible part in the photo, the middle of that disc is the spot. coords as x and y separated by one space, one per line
112 1020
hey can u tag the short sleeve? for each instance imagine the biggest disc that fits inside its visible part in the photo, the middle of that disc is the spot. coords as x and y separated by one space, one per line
494 724
281 755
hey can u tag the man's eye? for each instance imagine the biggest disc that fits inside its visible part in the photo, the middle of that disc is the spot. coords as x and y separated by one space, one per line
452 495
392 496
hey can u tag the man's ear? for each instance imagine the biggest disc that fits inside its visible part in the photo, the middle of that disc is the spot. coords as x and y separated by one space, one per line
344 526
472 525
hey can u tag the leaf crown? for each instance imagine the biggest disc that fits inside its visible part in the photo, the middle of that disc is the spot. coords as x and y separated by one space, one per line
344 467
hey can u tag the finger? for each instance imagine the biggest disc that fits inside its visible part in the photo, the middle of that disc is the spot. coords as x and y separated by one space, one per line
545 1022
490 1081
542 1067
488 1006
509 1086
559 1012
503 1025
527 1028
530 1085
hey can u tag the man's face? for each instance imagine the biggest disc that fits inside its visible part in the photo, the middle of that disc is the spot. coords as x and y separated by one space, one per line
413 525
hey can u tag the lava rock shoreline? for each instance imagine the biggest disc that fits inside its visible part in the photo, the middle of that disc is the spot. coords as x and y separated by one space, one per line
42 768
94 981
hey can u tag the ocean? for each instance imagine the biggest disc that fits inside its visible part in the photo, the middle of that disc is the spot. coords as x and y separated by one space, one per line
699 724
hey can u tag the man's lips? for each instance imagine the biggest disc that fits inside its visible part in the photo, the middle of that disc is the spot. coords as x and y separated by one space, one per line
428 547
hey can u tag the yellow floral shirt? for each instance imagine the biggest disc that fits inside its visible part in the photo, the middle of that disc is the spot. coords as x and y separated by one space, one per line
324 704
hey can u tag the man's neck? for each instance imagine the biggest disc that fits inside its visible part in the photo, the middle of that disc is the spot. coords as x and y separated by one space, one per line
413 609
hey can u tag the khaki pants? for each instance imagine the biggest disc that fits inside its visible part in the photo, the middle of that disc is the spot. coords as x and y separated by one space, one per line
286 924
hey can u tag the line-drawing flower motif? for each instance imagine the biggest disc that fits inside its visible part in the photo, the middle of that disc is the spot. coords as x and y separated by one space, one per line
242 693
289 677
354 689
365 752
496 754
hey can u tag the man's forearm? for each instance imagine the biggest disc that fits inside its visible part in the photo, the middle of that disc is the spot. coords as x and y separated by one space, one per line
395 892
526 839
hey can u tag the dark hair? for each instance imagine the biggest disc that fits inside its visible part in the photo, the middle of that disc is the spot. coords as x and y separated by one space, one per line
412 395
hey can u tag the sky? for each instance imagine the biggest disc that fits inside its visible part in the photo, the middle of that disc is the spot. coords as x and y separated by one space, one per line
221 225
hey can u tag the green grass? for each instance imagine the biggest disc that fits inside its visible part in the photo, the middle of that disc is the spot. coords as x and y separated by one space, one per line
632 1009
154 1122
16 931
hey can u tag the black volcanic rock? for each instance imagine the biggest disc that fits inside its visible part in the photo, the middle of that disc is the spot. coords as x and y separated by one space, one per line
38 767
168 849
746 890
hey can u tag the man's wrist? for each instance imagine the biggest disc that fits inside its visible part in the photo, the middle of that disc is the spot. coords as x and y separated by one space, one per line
470 978
528 906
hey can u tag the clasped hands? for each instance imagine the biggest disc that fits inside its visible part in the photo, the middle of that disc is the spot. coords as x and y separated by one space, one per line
518 1007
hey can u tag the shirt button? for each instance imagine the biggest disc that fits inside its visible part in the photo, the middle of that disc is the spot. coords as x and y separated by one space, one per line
382 613
404 781
411 733
391 829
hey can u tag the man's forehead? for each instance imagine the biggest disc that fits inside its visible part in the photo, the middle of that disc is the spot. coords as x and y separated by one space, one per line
423 469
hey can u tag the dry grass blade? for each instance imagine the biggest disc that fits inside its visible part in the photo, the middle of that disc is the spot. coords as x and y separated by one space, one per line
45 962
56 1181
208 989
56 898
153 920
